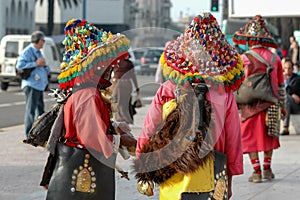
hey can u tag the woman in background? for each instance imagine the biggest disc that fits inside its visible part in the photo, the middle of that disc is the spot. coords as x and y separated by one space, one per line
124 76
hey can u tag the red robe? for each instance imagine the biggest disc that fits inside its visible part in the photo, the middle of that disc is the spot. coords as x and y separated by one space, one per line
87 118
254 132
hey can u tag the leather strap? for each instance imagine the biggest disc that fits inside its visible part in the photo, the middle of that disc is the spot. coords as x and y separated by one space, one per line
261 59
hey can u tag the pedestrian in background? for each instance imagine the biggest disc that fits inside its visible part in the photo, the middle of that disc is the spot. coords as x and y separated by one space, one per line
292 86
196 57
293 52
255 136
34 86
123 79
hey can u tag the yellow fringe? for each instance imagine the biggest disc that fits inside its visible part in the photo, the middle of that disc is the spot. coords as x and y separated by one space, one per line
69 69
176 75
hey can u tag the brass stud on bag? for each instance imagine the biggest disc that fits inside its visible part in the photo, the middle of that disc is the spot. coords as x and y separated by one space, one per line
83 178
221 181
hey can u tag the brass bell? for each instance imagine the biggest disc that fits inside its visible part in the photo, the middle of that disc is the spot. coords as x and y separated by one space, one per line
145 187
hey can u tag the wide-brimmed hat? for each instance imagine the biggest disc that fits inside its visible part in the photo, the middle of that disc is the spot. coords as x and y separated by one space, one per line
88 50
255 33
202 53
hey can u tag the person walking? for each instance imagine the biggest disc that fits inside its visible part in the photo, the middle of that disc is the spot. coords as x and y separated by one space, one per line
177 141
292 86
83 164
124 77
293 52
35 85
255 137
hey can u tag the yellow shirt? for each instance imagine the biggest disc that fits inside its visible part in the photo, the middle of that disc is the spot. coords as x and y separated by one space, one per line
201 180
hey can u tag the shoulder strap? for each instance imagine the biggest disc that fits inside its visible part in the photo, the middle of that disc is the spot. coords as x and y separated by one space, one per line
261 59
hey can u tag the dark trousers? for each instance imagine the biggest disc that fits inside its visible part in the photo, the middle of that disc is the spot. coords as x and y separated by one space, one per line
292 108
34 107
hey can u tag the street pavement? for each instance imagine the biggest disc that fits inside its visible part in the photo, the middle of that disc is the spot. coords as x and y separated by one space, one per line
21 167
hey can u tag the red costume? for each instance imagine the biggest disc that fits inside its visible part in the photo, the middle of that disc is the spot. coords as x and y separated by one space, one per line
254 131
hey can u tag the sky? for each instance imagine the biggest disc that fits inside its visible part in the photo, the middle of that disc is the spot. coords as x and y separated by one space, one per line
193 7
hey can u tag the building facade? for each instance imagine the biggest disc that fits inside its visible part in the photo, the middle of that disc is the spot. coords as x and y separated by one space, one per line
113 15
152 20
17 17
154 13
25 16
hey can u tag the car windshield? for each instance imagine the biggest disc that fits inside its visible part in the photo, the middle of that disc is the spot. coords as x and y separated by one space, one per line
138 54
11 49
153 55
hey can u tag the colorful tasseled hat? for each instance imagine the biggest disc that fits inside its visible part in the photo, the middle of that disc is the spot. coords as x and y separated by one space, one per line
202 53
255 33
88 49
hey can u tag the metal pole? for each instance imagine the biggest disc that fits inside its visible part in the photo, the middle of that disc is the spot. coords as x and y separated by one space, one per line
230 8
84 9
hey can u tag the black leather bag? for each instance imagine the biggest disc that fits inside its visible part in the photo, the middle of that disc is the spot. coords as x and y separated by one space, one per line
24 73
137 103
41 128
75 168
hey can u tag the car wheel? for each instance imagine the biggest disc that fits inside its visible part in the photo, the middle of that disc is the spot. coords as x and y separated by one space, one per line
4 85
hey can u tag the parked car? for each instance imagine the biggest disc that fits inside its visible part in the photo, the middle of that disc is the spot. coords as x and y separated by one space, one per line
150 60
135 57
10 48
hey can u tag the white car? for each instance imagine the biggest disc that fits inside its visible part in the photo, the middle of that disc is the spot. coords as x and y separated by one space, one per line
10 48
135 57
146 59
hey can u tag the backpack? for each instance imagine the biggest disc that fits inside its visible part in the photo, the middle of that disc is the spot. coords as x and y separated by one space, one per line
257 86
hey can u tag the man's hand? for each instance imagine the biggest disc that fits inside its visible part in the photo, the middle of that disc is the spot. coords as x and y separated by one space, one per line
40 62
123 128
283 112
127 140
296 98
46 187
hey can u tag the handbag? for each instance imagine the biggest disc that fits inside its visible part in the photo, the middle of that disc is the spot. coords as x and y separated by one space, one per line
137 103
257 86
41 128
80 174
48 122
24 73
